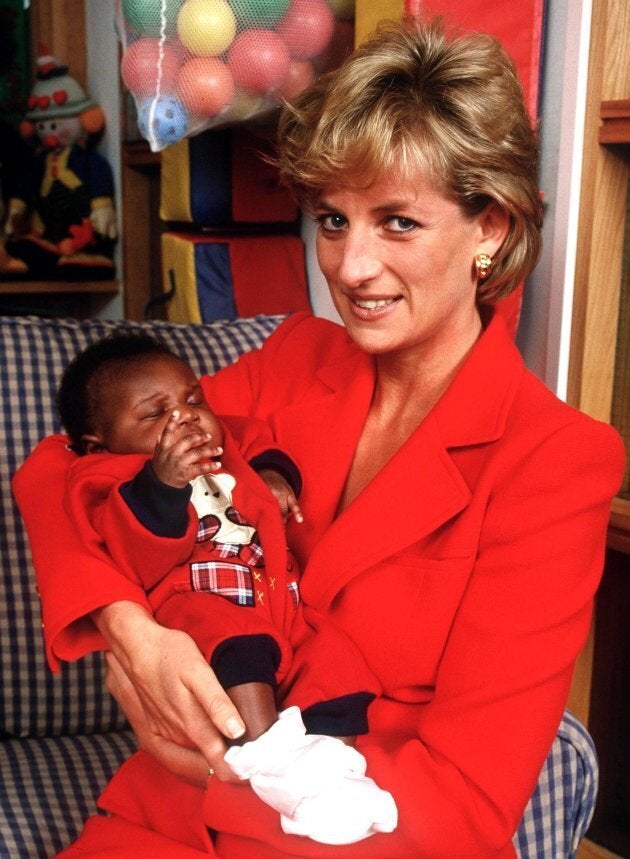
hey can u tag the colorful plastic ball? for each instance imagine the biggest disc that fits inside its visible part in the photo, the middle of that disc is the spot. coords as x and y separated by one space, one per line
145 16
343 10
259 60
259 13
245 104
205 86
140 64
206 27
162 121
307 28
300 75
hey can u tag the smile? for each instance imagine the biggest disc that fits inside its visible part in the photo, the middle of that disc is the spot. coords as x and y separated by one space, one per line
374 304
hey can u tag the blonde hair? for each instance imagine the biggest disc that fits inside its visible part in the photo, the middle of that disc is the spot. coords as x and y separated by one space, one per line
412 98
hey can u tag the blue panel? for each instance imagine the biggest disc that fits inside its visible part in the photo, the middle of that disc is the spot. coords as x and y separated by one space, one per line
210 178
214 281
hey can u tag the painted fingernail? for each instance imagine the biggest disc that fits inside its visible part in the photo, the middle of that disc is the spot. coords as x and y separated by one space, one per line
234 728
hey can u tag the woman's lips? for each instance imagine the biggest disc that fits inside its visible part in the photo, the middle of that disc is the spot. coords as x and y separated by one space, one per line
372 308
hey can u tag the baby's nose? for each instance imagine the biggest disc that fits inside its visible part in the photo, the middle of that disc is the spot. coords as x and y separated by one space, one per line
187 415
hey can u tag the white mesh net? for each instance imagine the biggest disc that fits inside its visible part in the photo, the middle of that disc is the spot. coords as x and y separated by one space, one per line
195 64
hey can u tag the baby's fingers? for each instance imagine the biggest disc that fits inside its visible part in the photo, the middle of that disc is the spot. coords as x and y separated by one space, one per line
294 508
169 430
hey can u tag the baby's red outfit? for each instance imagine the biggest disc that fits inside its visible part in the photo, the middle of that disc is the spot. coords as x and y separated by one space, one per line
228 580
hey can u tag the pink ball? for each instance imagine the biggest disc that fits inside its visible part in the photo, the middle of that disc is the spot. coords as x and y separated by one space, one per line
259 60
301 73
205 86
139 67
307 28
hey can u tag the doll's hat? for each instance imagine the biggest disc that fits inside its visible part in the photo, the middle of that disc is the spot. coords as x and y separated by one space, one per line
56 93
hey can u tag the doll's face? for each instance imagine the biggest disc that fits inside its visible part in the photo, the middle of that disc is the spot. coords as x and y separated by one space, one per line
59 132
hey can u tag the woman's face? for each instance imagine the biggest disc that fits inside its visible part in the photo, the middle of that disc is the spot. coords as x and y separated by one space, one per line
398 258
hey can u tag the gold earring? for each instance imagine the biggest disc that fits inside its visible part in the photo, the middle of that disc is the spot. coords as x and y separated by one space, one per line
483 265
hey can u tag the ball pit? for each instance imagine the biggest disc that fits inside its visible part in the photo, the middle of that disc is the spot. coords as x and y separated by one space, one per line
193 64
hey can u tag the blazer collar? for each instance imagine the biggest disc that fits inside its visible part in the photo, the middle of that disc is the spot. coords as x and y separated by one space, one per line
474 408
420 488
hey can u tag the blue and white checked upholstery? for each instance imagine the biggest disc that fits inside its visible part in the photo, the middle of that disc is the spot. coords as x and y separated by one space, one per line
558 814
61 737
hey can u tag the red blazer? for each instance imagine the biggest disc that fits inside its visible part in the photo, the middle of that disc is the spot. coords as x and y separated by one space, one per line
465 573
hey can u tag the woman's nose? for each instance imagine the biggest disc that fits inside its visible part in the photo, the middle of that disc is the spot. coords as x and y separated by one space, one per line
359 262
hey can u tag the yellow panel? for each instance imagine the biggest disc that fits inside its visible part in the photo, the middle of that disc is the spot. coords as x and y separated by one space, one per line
175 183
179 255
368 13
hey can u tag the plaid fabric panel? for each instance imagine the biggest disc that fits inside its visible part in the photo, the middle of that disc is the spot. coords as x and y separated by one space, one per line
252 553
49 787
208 527
34 353
558 814
229 580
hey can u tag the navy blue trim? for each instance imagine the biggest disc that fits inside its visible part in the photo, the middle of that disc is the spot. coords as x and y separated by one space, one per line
246 659
340 717
161 509
278 461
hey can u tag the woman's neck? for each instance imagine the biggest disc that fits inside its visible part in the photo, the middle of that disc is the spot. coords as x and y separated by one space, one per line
409 384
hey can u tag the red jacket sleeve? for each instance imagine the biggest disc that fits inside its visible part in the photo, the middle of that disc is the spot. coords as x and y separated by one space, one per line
71 582
109 528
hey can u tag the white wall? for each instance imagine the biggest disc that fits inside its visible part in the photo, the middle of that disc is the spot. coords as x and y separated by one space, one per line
103 87
545 327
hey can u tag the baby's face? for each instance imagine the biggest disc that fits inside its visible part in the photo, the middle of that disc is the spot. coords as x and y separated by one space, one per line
135 408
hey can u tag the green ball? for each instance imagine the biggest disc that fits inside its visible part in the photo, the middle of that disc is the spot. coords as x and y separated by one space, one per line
145 16
259 13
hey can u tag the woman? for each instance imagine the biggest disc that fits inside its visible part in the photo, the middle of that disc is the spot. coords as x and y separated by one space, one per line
458 534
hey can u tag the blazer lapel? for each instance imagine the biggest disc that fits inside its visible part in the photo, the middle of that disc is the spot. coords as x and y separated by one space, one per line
324 426
420 488
417 491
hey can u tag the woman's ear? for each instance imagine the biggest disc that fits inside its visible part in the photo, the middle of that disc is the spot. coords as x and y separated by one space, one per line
494 223
92 443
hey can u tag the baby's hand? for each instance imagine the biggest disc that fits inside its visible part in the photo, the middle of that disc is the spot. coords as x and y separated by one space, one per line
282 492
183 452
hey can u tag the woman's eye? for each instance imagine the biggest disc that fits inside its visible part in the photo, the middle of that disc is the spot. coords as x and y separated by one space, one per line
400 224
331 223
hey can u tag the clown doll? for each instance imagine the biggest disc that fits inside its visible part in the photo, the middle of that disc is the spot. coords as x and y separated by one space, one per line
61 223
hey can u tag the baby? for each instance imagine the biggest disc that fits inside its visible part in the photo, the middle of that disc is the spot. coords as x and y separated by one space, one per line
169 492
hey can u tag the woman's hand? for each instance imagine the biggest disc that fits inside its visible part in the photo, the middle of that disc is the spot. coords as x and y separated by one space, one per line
180 697
187 764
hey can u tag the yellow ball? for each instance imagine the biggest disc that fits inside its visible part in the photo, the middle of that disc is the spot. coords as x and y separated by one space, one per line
206 27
